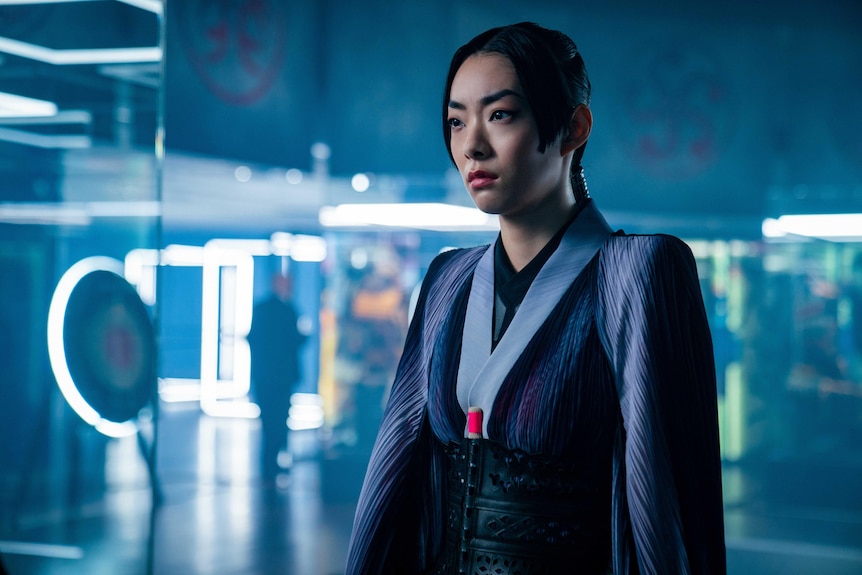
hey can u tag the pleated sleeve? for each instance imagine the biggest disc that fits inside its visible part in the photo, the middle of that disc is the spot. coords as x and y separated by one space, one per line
398 522
667 503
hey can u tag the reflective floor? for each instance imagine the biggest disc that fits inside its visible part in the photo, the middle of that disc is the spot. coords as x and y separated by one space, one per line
215 516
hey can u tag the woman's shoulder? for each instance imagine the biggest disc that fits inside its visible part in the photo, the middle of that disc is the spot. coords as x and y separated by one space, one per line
645 247
455 260
646 258
646 242
449 271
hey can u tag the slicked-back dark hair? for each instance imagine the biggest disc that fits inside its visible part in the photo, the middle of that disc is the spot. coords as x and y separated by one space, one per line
552 74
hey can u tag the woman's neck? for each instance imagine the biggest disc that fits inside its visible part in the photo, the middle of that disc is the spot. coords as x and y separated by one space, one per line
524 237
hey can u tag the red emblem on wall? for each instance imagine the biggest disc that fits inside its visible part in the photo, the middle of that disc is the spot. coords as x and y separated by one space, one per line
237 47
676 120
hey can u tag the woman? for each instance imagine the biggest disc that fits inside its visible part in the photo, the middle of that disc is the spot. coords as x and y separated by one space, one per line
587 351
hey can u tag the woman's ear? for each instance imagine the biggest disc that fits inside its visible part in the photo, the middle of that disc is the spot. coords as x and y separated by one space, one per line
579 129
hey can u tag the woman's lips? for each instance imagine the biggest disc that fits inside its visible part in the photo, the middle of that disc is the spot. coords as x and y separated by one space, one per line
481 179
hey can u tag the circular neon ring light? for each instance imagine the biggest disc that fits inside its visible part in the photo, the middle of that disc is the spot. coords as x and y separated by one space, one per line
57 348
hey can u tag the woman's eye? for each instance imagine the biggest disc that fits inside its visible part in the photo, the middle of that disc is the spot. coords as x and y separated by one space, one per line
455 122
500 115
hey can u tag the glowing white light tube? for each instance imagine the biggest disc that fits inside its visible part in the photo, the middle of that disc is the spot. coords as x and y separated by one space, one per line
214 335
80 57
57 350
427 216
12 106
306 411
836 227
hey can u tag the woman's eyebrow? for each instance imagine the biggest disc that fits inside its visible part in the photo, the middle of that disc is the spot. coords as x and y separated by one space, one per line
489 99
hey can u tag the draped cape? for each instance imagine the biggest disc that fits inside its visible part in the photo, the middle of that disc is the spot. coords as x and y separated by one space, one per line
617 374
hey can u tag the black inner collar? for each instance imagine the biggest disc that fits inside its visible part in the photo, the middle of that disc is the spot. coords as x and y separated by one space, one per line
510 286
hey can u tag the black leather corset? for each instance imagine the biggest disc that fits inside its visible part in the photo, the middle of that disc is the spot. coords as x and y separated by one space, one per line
512 513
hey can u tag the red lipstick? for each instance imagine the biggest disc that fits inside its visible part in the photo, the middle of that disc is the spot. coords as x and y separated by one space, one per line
480 179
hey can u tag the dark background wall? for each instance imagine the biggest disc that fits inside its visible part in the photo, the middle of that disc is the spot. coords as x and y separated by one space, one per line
730 108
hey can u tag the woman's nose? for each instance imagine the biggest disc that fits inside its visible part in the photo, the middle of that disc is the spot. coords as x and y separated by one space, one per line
476 143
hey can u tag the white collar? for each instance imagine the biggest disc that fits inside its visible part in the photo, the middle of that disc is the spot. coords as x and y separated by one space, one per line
481 372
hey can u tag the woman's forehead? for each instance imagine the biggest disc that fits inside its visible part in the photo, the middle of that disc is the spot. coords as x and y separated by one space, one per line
482 74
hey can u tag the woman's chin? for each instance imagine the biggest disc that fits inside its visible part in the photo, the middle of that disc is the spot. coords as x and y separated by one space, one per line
483 205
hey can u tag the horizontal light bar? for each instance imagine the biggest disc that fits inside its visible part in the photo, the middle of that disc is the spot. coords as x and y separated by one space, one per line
251 246
63 117
43 214
306 411
47 141
73 213
80 57
425 216
154 6
299 247
31 2
142 73
41 550
184 256
37 113
834 227
179 390
15 106
148 5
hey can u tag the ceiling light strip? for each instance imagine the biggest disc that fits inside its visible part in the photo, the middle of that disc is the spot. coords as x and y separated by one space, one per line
62 117
80 57
428 216
44 141
30 2
14 105
154 6
847 227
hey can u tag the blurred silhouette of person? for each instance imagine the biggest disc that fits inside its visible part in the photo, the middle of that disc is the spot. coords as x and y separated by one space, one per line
275 341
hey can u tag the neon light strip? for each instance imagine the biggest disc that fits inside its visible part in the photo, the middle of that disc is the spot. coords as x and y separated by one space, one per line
427 216
847 227
80 57
154 6
57 350
213 333
185 256
145 74
179 390
61 117
48 214
41 550
185 390
306 411
209 327
251 247
74 213
307 248
299 247
47 141
15 106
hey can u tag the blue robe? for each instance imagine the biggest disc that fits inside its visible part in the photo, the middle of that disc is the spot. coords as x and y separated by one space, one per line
607 362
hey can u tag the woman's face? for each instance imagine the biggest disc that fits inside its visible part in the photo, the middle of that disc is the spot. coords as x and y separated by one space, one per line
494 141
